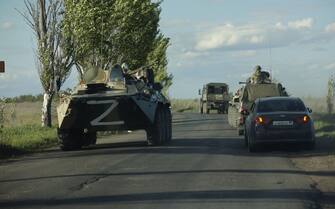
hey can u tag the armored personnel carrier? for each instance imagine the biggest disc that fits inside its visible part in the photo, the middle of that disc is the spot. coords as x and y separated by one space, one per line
108 100
254 87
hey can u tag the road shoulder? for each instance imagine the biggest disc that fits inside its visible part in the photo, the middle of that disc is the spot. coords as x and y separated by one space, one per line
319 165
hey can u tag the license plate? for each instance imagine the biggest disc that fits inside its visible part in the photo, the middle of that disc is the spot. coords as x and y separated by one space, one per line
282 123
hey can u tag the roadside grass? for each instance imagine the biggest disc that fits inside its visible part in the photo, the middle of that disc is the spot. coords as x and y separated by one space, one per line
185 105
26 138
324 125
21 131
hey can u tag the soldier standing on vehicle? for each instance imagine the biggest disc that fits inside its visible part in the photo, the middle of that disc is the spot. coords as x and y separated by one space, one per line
257 75
125 68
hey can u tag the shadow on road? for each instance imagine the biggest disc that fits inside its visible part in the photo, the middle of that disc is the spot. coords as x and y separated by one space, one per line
237 196
202 120
217 146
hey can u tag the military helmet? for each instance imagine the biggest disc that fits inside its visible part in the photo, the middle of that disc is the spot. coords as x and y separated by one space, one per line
125 67
258 68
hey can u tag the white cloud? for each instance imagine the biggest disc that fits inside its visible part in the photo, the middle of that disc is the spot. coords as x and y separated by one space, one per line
280 26
251 36
330 28
306 23
244 54
330 66
7 25
191 54
229 35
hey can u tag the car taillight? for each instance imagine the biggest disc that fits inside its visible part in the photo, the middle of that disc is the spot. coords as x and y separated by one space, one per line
303 119
261 120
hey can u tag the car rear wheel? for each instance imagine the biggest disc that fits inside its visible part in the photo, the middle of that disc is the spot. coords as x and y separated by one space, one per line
310 145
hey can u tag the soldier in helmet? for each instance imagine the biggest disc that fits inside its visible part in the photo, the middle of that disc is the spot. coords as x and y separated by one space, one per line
125 68
256 76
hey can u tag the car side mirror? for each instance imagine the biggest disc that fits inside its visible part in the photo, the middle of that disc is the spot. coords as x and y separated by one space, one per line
309 110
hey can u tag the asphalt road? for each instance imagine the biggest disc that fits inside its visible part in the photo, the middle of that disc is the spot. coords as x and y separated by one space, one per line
206 166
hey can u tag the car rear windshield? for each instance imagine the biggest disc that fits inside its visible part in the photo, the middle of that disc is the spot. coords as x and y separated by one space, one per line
281 105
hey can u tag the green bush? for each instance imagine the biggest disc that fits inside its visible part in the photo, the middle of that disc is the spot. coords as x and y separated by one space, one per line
324 124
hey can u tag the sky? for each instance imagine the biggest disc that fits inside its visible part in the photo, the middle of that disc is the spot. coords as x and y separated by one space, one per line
211 41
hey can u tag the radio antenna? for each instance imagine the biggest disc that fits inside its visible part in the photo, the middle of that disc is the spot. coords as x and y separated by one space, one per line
270 56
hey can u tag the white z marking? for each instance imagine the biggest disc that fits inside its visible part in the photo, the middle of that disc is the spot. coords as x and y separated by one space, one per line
97 121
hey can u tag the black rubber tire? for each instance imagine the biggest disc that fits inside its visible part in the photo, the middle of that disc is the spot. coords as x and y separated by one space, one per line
245 139
168 128
240 132
252 147
89 138
309 145
156 133
70 140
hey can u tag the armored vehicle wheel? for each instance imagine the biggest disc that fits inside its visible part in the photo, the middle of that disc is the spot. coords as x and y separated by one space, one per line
69 140
89 138
245 139
240 132
156 134
168 119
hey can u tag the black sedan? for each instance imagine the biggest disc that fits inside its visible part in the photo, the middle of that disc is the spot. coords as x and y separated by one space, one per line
279 119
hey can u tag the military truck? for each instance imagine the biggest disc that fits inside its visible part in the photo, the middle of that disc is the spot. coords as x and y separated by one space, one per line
246 95
214 96
108 100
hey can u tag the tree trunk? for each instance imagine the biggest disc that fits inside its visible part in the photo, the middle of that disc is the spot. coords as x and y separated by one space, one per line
46 109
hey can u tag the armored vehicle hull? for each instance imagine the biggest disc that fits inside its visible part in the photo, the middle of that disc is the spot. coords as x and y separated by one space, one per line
106 107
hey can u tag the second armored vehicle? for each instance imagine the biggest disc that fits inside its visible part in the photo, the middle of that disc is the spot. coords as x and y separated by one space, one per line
214 96
254 87
114 100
